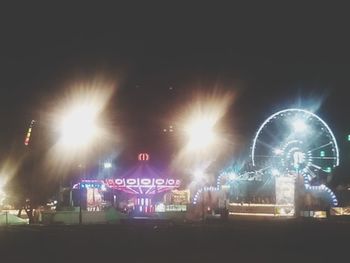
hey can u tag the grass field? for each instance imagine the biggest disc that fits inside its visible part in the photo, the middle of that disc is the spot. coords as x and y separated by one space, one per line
162 241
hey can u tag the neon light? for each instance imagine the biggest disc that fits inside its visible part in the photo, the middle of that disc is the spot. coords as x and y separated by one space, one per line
135 185
27 139
171 181
131 181
146 181
321 188
293 110
160 181
143 157
118 181
251 214
203 189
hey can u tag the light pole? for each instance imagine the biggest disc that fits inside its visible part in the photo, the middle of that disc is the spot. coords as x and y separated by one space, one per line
82 176
201 137
78 130
203 206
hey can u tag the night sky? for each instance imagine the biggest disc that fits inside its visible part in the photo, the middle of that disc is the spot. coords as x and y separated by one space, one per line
271 58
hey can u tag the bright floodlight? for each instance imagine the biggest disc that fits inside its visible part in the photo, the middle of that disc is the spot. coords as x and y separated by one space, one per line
299 125
79 126
200 134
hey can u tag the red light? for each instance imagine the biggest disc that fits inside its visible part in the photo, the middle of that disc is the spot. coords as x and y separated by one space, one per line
143 157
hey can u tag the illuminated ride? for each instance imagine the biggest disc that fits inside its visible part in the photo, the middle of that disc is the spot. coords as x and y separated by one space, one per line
142 191
297 142
141 187
289 143
137 186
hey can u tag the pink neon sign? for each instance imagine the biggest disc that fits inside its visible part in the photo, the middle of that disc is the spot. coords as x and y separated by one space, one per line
143 186
143 157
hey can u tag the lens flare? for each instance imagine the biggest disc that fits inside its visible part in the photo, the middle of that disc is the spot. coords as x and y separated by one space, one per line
200 134
81 125
299 125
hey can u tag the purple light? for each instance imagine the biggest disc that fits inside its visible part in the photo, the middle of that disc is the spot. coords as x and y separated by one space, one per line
139 186
143 185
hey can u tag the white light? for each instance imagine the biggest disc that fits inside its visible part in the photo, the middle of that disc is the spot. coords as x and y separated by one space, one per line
278 151
299 125
200 134
79 127
198 176
232 176
275 172
107 165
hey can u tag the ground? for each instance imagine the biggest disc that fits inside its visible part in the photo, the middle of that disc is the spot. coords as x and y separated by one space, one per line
290 240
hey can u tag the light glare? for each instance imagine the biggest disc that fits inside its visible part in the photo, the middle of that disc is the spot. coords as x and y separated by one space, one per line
299 126
78 128
198 175
275 172
200 134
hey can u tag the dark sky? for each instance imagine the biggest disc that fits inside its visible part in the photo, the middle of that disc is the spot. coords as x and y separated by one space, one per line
274 57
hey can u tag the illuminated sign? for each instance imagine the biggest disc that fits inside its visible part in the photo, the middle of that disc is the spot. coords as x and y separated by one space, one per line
87 184
143 186
143 157
179 197
94 199
160 208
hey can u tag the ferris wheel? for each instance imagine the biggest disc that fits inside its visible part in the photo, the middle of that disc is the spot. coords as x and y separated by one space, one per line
295 141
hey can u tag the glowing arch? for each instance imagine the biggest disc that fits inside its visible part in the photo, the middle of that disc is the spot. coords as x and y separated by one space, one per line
294 110
197 196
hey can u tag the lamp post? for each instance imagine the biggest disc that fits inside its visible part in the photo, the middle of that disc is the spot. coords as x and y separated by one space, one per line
203 206
78 129
201 137
82 176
